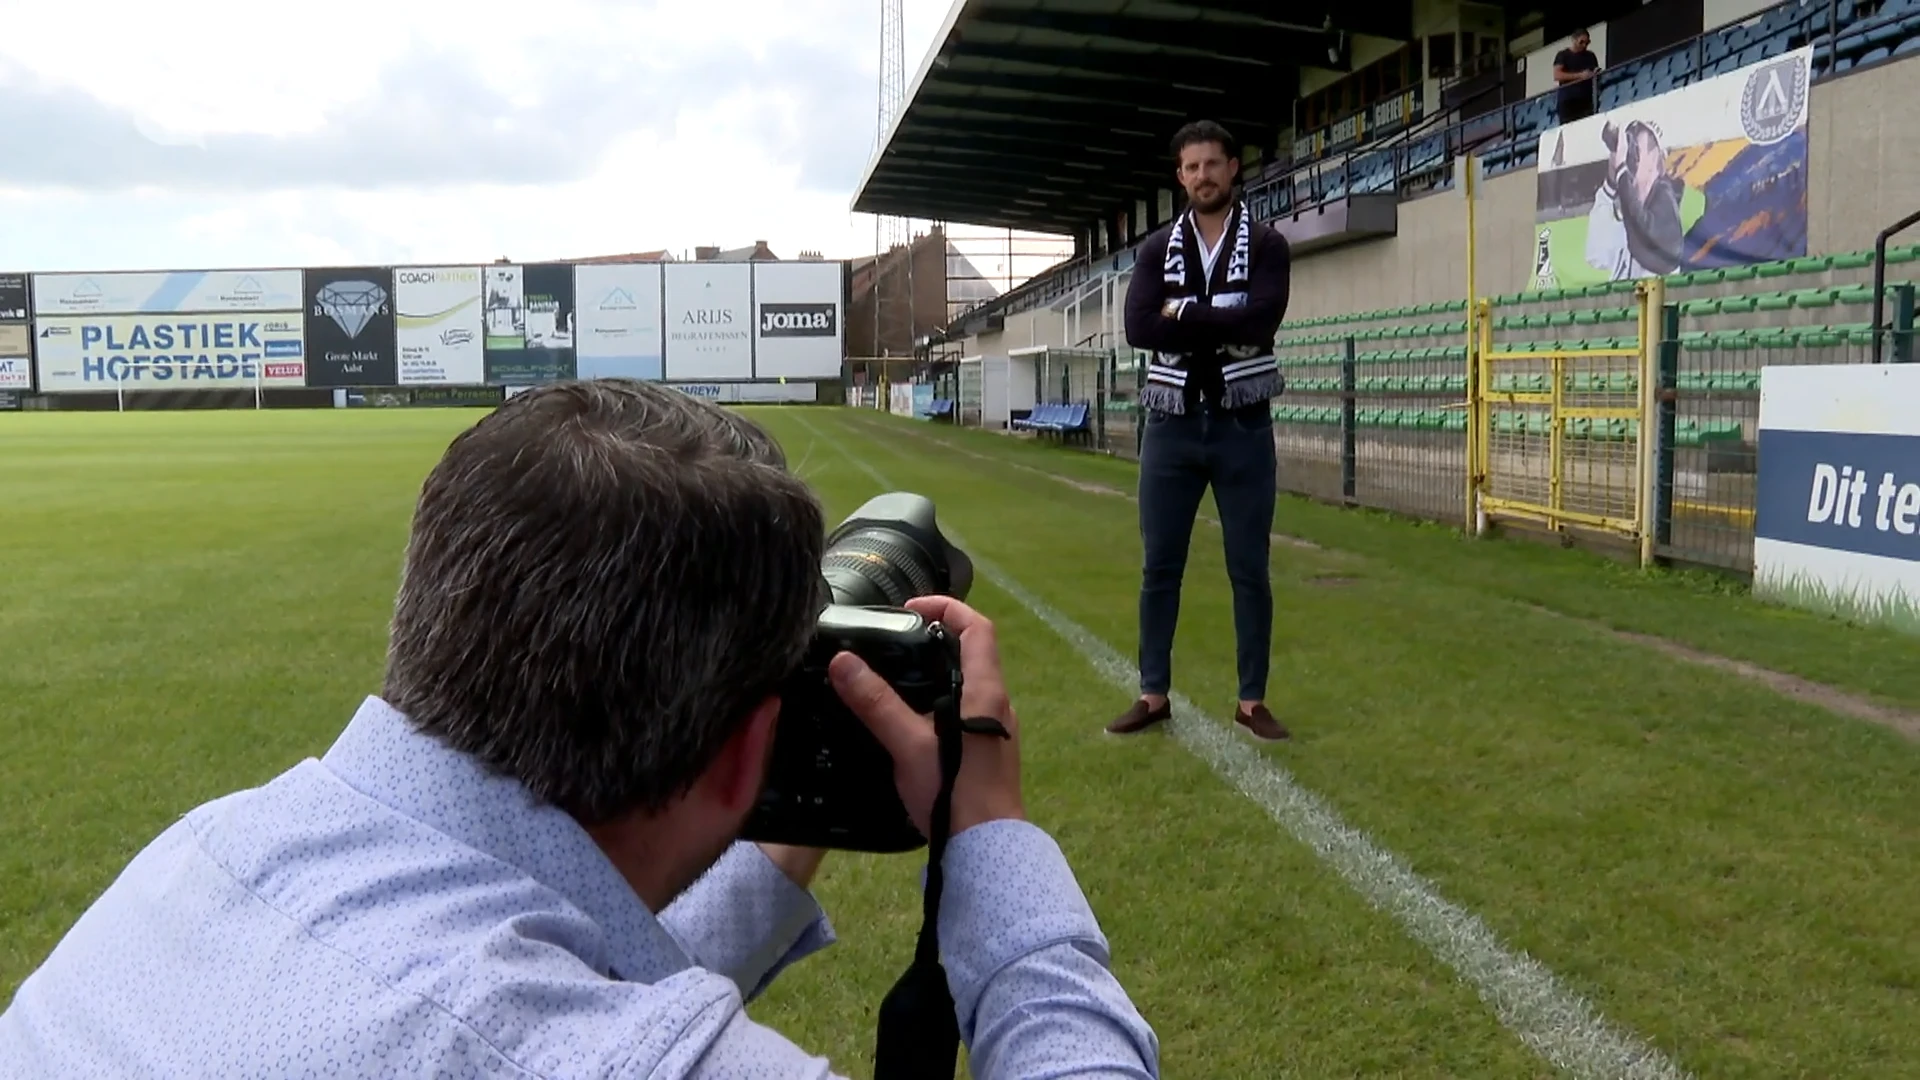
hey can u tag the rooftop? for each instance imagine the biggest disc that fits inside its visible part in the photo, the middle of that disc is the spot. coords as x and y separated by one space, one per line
1045 115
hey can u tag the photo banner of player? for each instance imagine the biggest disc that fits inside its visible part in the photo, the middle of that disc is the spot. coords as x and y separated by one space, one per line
349 327
229 350
1710 175
797 319
157 293
529 324
709 321
437 327
617 333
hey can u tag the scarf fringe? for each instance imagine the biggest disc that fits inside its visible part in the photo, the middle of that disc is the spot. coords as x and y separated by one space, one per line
1163 398
1251 391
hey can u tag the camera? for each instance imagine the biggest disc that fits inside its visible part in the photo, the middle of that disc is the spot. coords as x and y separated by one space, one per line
830 782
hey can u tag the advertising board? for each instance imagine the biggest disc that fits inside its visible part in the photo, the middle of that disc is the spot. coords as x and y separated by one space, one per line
798 320
709 321
156 293
169 352
618 332
437 326
1837 510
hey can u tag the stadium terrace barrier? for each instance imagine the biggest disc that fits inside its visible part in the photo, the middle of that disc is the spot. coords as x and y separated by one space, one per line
1419 160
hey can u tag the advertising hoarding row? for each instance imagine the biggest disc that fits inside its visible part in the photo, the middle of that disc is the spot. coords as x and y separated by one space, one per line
369 326
1713 174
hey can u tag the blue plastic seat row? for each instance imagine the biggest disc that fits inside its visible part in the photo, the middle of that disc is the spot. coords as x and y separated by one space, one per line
1056 417
938 408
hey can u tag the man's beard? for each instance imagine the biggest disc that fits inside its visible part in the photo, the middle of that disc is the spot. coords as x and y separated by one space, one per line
1214 203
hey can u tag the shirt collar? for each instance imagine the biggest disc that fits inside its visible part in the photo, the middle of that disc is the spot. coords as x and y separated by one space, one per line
382 756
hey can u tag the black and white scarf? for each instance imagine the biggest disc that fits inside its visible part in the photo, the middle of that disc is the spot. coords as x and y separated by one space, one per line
1250 372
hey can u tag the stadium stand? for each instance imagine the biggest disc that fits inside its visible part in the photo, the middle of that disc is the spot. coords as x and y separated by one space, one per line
1376 345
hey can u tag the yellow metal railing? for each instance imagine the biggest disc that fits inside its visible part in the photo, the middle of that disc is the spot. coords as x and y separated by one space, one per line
1512 477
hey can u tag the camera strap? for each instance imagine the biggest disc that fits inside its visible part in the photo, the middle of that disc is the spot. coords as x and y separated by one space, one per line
919 1035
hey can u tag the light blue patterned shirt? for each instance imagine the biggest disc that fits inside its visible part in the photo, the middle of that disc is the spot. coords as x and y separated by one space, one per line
393 910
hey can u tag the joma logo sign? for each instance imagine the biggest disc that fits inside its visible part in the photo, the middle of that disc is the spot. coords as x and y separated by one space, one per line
797 320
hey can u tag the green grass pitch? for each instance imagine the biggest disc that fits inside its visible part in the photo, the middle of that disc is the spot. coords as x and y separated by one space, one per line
192 602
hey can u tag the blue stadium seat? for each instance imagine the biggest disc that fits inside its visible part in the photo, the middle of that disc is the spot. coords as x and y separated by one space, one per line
1058 418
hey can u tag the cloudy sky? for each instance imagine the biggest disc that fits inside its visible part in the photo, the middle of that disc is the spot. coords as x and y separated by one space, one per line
211 133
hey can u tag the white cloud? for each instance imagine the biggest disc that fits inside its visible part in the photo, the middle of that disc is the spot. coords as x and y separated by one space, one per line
211 133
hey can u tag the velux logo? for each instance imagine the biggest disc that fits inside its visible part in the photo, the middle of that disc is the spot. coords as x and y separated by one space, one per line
797 320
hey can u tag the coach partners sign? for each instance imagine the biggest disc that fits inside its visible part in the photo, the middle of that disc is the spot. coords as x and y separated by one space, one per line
1837 523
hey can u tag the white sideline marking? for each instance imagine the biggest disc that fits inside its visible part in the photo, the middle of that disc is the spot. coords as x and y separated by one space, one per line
1549 1018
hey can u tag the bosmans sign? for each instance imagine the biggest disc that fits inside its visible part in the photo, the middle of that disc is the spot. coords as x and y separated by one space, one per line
170 352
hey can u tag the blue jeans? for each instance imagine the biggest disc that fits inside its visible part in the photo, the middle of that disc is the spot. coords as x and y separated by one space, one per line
1180 457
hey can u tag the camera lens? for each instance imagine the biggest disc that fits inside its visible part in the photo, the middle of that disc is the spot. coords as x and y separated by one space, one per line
871 567
890 551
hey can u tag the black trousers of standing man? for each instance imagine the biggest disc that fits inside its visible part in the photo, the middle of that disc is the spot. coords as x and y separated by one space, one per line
1181 457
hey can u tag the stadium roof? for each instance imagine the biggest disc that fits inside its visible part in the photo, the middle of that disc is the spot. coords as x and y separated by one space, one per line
1047 115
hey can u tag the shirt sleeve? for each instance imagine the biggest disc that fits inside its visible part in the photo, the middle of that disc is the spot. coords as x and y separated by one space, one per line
1027 964
747 920
1256 321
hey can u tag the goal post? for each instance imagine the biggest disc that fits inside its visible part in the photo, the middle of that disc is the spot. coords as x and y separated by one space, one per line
139 375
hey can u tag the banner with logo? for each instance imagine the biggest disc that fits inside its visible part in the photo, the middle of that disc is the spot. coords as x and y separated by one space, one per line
1713 174
529 321
16 372
618 330
1837 507
349 326
170 352
13 298
747 393
797 319
165 293
709 320
437 331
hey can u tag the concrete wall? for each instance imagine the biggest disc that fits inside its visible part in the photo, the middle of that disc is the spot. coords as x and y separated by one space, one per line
1864 166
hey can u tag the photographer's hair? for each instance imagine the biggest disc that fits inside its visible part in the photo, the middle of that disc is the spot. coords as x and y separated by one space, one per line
603 579
1204 131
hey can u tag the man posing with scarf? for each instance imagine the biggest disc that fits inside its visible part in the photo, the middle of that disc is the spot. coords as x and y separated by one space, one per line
1207 295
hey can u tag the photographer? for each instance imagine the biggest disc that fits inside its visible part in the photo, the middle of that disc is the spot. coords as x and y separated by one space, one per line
521 859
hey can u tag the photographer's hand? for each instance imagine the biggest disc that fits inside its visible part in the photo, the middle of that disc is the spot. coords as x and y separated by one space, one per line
988 788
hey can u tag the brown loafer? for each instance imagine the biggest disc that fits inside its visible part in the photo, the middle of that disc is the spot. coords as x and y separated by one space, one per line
1139 718
1260 724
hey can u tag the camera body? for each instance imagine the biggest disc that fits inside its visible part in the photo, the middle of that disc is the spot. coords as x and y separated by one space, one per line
830 782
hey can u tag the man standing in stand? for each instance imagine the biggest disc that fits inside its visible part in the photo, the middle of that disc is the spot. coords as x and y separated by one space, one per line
1208 292
1576 69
